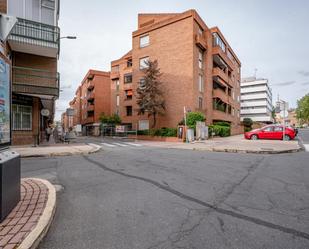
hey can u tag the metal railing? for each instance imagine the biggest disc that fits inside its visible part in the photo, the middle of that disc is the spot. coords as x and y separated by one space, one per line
24 30
41 81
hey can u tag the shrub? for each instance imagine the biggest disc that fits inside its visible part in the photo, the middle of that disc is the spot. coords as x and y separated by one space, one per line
222 123
247 129
163 132
247 122
219 130
192 118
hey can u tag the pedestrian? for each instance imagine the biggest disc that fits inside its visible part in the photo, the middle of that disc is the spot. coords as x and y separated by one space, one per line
48 132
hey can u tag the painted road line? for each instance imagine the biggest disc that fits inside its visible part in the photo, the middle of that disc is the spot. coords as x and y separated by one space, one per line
306 147
109 145
122 145
133 144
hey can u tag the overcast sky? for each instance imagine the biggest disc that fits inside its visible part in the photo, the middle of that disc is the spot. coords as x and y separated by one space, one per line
269 35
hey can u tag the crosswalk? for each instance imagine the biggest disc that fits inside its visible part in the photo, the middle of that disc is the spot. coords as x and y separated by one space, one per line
119 144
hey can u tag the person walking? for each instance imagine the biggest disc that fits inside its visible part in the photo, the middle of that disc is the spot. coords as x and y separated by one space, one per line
48 132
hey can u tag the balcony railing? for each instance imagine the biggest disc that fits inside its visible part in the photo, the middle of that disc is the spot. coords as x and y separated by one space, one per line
35 33
35 81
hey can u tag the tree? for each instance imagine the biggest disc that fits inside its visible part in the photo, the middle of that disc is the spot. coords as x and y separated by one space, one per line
273 114
113 119
302 110
149 95
192 118
247 124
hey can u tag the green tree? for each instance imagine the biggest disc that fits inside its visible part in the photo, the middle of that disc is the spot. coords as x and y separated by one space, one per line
149 94
247 122
113 119
302 110
192 118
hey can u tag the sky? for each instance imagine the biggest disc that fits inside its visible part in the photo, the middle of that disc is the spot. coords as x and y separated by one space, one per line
270 38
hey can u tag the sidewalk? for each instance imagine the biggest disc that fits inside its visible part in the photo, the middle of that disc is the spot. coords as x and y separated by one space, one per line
29 221
237 144
56 150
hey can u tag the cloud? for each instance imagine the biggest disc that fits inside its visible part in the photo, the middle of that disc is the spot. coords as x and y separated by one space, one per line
286 83
305 83
304 73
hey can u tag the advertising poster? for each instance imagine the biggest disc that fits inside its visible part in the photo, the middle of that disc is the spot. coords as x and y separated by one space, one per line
4 103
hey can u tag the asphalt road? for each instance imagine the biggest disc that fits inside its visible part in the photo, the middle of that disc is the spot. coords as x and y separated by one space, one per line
151 198
304 136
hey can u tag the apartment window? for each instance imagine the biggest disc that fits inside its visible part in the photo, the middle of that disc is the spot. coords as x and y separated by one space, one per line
129 110
142 83
22 117
129 63
128 78
200 31
217 41
116 82
200 102
200 83
115 68
200 59
229 91
229 109
233 94
143 62
117 100
129 94
144 41
233 111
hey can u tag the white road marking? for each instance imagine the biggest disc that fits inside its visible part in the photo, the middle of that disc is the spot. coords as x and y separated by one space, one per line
109 145
306 147
133 144
122 145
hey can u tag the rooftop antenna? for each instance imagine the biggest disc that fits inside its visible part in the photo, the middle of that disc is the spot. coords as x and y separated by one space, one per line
255 70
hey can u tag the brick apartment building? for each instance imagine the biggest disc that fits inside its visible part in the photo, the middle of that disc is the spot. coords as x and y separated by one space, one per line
92 98
33 47
200 71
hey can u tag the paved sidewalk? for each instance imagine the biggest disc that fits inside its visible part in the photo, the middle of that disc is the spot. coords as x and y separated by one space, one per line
56 150
236 144
28 222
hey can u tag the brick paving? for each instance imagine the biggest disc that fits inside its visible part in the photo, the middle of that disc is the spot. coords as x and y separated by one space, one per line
24 217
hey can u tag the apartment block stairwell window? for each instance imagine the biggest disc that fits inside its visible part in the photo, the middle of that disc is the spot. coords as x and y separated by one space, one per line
144 41
143 62
200 59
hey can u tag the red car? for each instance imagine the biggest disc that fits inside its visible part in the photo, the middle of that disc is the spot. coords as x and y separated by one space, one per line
271 132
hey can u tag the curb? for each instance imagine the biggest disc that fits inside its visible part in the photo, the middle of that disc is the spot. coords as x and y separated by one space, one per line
94 150
250 151
37 234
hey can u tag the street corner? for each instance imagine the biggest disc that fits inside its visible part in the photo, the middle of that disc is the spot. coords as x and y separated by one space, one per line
29 221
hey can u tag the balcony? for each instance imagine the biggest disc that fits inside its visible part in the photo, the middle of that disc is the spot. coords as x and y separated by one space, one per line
88 120
90 85
90 97
222 116
35 38
35 81
90 108
115 75
217 51
200 42
218 93
216 71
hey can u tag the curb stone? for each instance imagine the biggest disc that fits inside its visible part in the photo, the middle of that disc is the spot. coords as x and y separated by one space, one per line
250 151
37 234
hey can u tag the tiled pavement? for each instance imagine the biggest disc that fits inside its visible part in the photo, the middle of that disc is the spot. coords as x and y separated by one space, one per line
24 217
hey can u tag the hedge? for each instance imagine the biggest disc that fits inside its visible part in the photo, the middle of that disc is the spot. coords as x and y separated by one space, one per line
163 132
219 130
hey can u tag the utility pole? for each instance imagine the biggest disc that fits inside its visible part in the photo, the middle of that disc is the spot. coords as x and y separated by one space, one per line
185 118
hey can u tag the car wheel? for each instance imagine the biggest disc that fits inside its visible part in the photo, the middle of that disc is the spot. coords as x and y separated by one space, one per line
254 137
287 138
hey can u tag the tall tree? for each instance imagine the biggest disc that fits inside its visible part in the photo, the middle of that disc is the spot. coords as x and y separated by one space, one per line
302 110
150 98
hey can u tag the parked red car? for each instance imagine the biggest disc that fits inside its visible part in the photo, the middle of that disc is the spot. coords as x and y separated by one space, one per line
271 132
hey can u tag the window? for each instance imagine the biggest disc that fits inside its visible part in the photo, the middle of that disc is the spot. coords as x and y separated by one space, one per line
117 84
229 91
200 59
129 94
142 83
144 41
117 100
200 83
233 94
143 62
129 63
115 68
270 128
233 111
200 31
217 41
143 125
22 117
128 78
229 109
278 128
129 110
200 102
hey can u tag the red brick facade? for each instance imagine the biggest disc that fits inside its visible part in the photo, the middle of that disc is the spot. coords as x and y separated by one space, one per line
185 49
92 98
3 6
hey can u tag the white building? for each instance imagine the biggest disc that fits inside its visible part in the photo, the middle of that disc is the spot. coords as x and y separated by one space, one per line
256 100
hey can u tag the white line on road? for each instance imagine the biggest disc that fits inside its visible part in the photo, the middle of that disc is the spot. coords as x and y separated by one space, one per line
133 144
109 145
306 147
122 145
